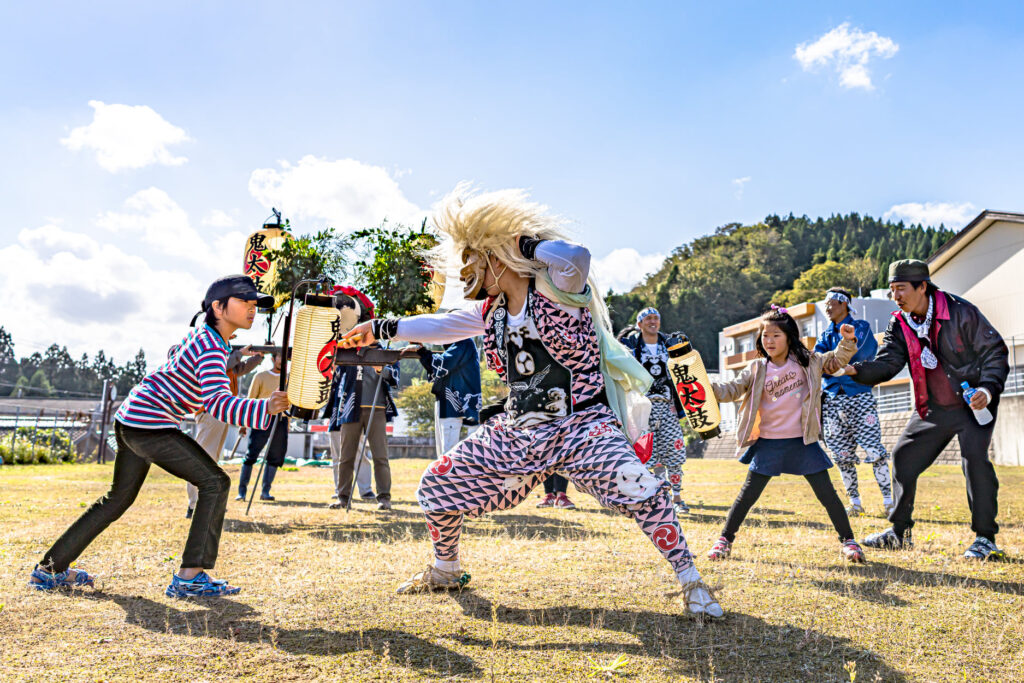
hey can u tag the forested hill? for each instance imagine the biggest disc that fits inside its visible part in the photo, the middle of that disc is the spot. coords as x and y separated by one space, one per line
720 279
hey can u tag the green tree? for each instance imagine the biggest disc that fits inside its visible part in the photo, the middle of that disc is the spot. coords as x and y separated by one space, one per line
392 270
39 385
21 387
9 372
854 276
310 256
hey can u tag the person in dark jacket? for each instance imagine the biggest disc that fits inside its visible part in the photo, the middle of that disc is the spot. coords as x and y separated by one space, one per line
946 341
353 390
848 410
455 374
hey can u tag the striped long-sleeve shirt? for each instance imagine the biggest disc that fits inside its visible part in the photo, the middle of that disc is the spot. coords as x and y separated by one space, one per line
193 378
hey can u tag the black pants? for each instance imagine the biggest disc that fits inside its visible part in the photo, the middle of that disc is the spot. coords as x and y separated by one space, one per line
555 483
919 446
171 450
753 487
278 447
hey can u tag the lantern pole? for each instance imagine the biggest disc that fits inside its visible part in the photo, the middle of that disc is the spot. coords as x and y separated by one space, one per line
284 378
366 434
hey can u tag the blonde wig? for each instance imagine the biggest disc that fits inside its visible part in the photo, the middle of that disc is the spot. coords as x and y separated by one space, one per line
475 224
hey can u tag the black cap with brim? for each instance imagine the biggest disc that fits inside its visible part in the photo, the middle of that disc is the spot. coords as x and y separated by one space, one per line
237 286
909 270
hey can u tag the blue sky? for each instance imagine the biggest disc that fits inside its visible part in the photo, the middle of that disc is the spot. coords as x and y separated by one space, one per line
647 124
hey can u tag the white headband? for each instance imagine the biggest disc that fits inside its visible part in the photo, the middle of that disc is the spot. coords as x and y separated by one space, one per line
838 296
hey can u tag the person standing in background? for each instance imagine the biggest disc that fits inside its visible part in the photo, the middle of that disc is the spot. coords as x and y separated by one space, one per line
352 400
263 385
455 374
848 410
650 346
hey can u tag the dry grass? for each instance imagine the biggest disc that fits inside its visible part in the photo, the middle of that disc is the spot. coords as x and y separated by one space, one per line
555 595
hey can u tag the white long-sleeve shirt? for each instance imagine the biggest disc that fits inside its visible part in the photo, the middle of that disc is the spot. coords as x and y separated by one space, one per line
568 265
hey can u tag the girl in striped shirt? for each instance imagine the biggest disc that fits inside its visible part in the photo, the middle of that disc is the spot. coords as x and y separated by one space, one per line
147 431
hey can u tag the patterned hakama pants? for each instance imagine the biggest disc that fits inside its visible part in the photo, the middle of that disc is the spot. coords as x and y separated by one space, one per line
498 465
669 445
850 421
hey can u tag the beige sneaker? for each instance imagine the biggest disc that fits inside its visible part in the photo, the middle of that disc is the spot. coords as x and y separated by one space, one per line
855 510
431 579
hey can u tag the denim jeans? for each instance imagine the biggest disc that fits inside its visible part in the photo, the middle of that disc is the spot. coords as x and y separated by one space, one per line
137 449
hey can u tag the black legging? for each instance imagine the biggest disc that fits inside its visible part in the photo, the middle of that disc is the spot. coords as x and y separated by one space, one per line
753 487
555 483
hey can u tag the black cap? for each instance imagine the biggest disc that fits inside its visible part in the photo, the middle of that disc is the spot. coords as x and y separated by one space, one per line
239 286
909 270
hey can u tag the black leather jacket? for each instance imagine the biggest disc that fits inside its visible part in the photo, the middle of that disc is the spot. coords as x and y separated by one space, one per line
969 350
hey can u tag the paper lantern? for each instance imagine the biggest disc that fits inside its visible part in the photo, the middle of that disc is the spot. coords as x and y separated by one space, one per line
686 368
257 264
315 339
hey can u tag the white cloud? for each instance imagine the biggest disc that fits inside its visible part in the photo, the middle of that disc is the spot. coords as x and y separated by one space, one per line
219 219
66 287
623 268
947 213
847 51
161 222
125 136
739 184
345 193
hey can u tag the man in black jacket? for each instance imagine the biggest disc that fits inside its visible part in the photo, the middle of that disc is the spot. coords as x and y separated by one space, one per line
946 341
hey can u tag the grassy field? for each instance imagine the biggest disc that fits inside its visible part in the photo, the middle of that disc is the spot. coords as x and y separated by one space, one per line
556 595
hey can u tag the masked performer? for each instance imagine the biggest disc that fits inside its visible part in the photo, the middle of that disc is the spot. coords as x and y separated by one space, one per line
147 430
546 334
650 347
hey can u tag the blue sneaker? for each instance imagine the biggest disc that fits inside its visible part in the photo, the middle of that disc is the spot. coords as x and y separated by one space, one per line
69 578
984 549
202 586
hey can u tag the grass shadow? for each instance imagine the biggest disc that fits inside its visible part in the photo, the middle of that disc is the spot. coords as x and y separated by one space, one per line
401 524
234 621
689 647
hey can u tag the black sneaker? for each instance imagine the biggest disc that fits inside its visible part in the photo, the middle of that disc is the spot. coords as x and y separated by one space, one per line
984 549
889 540
267 497
188 513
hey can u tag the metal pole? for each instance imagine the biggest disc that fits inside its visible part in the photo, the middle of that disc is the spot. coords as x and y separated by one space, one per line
70 437
14 432
53 432
101 454
35 431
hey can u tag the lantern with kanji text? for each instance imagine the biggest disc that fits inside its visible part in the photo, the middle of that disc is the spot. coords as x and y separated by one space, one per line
256 261
690 379
315 333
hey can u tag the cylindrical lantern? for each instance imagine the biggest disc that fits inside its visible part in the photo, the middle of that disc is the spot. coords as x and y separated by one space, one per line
315 339
686 369
256 263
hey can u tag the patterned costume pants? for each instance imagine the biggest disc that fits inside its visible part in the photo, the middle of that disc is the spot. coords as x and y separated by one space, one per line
669 444
498 465
850 421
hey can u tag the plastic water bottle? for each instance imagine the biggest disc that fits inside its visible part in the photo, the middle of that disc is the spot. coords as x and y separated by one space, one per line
982 416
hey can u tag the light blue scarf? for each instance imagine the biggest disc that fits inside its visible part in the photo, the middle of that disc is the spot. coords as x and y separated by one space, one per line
622 372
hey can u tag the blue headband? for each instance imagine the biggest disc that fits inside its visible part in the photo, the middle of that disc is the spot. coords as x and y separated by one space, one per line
646 312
